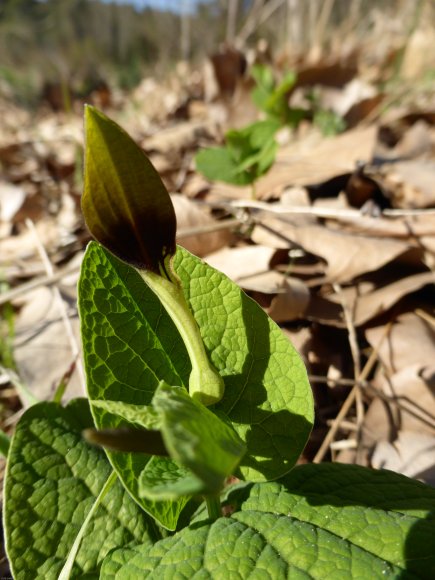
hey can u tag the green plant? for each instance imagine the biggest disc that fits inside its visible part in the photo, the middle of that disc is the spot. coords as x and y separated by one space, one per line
189 383
248 154
272 97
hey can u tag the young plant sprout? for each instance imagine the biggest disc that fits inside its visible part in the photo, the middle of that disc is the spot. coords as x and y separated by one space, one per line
189 385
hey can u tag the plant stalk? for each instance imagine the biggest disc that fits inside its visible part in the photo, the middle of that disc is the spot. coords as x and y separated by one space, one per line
213 506
205 383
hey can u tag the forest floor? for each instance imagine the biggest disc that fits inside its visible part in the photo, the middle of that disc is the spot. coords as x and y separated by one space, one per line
337 244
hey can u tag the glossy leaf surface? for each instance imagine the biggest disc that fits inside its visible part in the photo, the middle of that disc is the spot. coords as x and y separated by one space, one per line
130 345
196 438
53 479
125 204
325 521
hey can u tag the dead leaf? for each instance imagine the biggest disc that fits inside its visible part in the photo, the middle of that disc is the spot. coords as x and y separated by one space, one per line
411 183
11 199
291 301
347 255
411 342
242 264
42 350
306 163
414 388
189 215
411 454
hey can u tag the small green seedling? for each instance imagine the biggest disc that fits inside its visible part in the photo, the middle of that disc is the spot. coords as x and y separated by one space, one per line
272 97
189 384
250 152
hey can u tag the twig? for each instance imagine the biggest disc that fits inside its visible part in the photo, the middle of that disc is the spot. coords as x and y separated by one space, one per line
350 398
426 317
54 278
323 212
421 414
354 349
47 280
61 304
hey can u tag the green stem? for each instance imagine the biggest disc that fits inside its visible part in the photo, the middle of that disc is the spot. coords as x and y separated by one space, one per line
213 506
205 383
66 571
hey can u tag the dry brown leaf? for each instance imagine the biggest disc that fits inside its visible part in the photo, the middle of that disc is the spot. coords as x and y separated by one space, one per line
347 255
291 301
374 303
411 183
414 388
411 341
22 247
305 163
366 306
42 350
11 199
242 264
178 138
411 454
189 215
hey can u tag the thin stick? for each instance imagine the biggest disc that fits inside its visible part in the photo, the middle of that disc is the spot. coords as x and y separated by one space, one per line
53 278
419 413
323 212
354 349
350 398
60 303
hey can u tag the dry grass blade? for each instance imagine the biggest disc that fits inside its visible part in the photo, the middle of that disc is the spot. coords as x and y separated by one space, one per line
347 405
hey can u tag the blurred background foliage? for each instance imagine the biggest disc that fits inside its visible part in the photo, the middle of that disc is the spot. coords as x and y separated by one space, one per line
81 43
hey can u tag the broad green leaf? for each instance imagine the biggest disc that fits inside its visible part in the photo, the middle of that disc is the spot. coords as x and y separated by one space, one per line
219 164
163 478
130 345
248 154
268 397
325 521
196 438
125 204
52 481
143 415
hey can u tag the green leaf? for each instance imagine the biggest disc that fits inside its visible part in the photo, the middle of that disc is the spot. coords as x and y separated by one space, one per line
125 204
219 164
143 415
5 442
196 438
248 154
52 481
325 521
130 345
164 479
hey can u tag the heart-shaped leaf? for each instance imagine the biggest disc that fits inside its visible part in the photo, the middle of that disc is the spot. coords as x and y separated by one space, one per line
130 344
125 204
325 521
196 438
52 482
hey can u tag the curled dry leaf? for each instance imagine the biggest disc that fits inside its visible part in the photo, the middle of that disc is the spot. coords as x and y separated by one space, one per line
411 454
242 263
42 350
411 341
291 302
413 387
189 215
347 255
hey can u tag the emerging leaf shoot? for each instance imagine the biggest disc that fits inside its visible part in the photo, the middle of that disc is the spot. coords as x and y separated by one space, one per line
125 204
